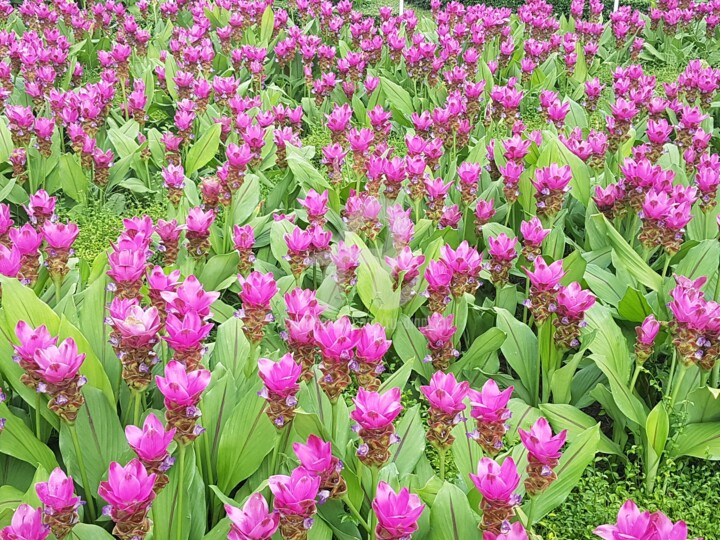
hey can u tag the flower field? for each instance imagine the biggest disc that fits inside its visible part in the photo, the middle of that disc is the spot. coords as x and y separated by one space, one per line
354 273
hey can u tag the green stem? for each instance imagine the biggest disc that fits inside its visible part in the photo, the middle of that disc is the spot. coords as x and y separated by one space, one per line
636 374
38 404
355 513
715 374
442 464
57 281
124 98
279 448
417 204
667 265
181 491
531 511
137 410
83 472
375 474
682 371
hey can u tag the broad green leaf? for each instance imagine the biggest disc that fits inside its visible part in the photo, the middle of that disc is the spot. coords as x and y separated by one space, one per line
247 438
466 452
700 440
479 352
411 447
451 517
411 346
220 271
84 531
657 428
305 174
575 458
520 349
19 442
606 285
6 143
73 179
701 260
562 416
203 150
267 25
399 99
634 306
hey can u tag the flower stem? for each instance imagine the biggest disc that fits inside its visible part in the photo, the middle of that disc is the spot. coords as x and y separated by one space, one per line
667 265
677 383
181 490
636 374
83 472
138 407
38 404
375 473
355 513
57 281
442 464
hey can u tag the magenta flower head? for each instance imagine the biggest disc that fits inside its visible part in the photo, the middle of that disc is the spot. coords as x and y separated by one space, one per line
151 444
244 240
281 381
497 485
169 233
543 455
257 291
181 390
438 277
346 259
489 408
31 340
253 521
336 340
26 524
664 528
59 238
197 233
300 302
58 371
503 251
189 297
572 303
316 205
41 207
516 532
370 349
295 501
484 212
465 263
632 524
185 335
439 332
551 184
130 492
316 458
374 414
10 261
445 396
397 513
544 284
533 235
60 503
646 334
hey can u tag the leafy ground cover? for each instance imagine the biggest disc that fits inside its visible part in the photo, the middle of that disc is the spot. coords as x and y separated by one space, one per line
316 270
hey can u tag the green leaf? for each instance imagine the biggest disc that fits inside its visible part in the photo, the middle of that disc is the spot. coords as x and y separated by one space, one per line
520 349
73 180
247 438
19 442
627 256
411 447
466 452
634 306
701 260
83 531
700 440
605 285
220 271
399 99
575 458
102 440
657 427
170 71
480 351
411 346
267 25
451 517
203 150
305 174
562 416
6 143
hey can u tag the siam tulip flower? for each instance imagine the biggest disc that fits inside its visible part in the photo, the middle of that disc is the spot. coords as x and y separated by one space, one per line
450 217
497 484
401 226
361 214
185 336
465 264
127 268
316 205
281 386
189 297
60 504
26 524
551 183
405 270
346 259
238 159
503 251
489 408
169 233
369 352
445 396
212 192
439 332
31 340
707 180
257 291
469 175
28 242
693 319
516 532
374 414
609 199
301 342
533 236
484 212
299 244
543 455
544 284
253 521
130 492
134 338
59 239
151 444
174 178
397 513
511 173
58 373
6 223
316 458
244 240
334 158
631 524
300 302
197 226
41 208
437 191
572 303
294 500
336 340
10 261
158 283
646 334
181 390
438 277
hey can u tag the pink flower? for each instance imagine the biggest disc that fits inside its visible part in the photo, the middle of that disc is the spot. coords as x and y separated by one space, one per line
26 524
315 456
541 444
495 482
60 236
199 222
445 393
375 411
439 330
632 524
41 206
552 178
316 204
152 441
544 277
489 405
648 330
128 489
190 297
32 340
10 261
58 493
257 289
295 494
502 247
254 521
533 232
336 338
371 343
516 532
180 388
406 264
300 302
186 332
280 378
465 260
58 364
397 513
139 327
26 239
573 302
